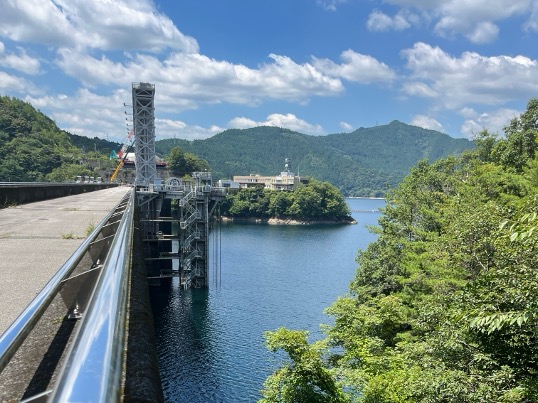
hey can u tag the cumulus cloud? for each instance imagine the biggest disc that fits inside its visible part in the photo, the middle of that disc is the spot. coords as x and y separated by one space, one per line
10 83
346 126
92 115
288 121
419 89
100 24
468 79
532 23
379 21
483 32
356 67
202 79
86 113
170 128
476 20
21 62
427 122
494 121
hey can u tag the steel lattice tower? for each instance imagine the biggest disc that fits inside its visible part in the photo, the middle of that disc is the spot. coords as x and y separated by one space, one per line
144 131
195 200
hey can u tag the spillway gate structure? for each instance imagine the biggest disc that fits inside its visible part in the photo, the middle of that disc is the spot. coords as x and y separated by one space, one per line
176 214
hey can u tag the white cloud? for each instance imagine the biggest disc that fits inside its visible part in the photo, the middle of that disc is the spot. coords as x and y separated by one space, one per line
243 123
346 126
86 113
288 121
191 79
13 84
532 23
169 128
379 21
468 113
477 20
419 89
356 67
484 32
92 115
330 4
21 62
99 24
469 79
493 121
427 122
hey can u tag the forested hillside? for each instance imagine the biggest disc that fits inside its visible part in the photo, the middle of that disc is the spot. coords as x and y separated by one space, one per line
313 202
33 148
96 144
444 305
365 162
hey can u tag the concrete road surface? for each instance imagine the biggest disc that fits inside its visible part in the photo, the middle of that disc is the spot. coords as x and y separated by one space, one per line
37 238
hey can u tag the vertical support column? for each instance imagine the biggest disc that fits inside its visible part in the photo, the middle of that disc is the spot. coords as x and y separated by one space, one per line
146 168
144 131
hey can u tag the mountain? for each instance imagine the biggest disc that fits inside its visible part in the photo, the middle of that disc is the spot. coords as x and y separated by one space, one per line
102 146
33 148
362 163
31 145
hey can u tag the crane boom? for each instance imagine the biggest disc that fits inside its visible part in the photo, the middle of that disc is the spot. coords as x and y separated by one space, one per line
113 177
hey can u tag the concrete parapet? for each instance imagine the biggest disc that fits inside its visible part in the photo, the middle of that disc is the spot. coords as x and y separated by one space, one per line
15 194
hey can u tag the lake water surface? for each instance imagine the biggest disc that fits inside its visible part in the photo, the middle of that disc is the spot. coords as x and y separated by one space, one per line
210 342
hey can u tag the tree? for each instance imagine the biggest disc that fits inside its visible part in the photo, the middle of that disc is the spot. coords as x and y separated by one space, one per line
177 162
182 163
521 138
68 173
31 145
444 305
315 200
305 378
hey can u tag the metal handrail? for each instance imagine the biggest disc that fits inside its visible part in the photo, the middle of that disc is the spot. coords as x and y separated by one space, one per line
14 336
92 371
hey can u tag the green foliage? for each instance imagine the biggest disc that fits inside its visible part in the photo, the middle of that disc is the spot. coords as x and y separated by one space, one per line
444 305
520 145
32 148
181 163
304 379
315 200
365 162
86 144
67 173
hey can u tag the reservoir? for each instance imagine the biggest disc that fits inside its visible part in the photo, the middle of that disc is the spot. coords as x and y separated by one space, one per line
210 342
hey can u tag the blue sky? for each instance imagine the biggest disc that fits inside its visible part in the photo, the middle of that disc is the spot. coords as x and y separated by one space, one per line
314 66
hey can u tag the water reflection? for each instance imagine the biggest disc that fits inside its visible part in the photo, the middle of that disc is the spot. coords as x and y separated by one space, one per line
184 330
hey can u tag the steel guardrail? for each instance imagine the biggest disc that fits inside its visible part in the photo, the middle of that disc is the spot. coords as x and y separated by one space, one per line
15 335
12 339
93 369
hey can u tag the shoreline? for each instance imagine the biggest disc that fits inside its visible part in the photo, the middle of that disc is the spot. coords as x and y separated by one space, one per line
284 221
